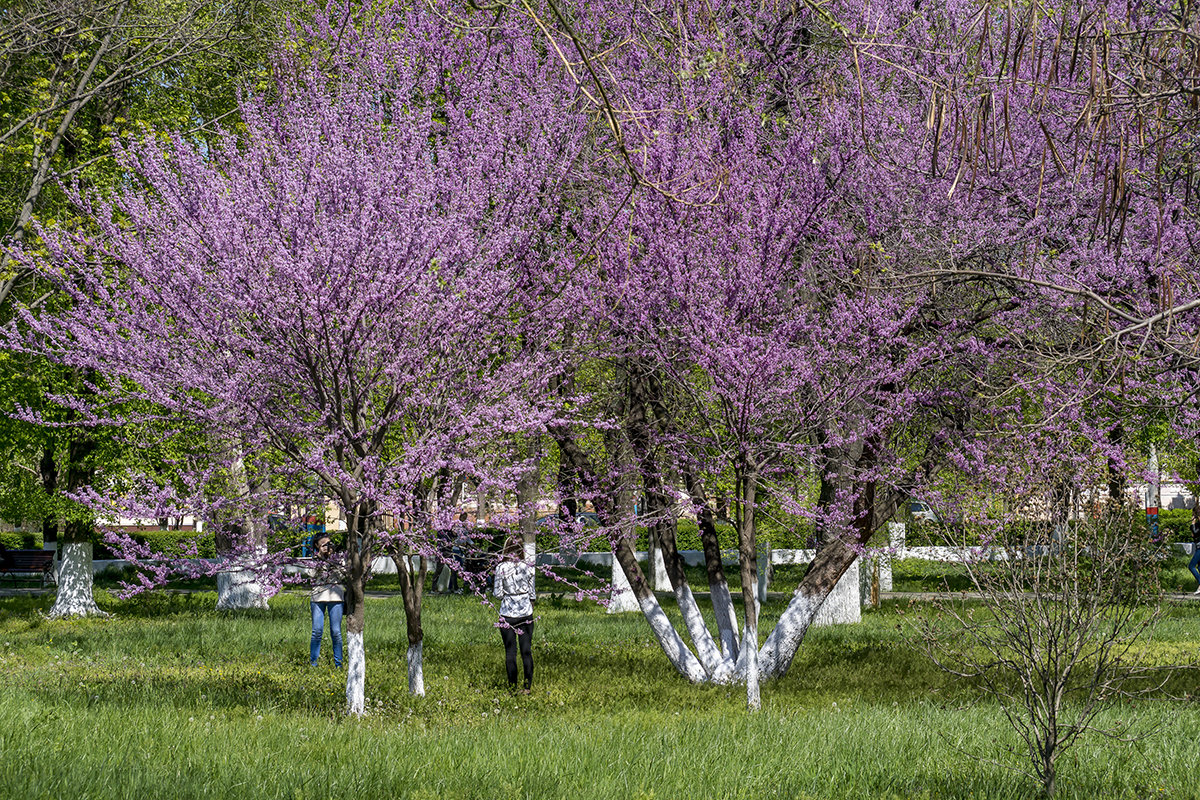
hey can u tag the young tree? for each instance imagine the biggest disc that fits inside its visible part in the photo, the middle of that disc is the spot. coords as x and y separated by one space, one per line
1052 641
345 287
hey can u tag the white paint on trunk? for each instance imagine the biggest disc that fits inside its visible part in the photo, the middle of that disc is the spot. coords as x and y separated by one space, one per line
719 669
416 669
669 640
662 581
750 647
843 606
621 597
74 597
238 589
727 624
781 645
356 674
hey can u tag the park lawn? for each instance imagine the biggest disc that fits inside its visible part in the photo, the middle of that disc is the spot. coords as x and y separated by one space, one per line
171 698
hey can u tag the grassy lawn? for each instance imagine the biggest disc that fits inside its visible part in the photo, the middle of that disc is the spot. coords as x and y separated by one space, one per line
171 698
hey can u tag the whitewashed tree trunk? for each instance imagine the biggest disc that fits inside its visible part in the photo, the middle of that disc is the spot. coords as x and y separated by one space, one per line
239 589
896 550
530 549
750 647
718 667
658 568
416 669
764 572
356 674
74 597
671 642
726 618
783 641
621 597
843 606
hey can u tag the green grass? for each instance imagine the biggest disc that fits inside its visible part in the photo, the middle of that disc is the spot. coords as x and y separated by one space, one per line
171 698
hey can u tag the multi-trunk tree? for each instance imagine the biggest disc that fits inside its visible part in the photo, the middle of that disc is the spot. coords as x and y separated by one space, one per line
866 247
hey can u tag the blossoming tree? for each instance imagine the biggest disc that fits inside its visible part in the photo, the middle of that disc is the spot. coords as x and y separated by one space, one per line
340 290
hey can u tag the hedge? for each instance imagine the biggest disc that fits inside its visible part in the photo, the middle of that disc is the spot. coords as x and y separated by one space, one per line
21 540
166 542
1174 526
687 537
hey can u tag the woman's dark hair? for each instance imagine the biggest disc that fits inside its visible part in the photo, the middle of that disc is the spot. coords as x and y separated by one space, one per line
513 547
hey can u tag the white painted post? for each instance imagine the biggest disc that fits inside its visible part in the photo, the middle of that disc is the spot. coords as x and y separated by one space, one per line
896 548
764 571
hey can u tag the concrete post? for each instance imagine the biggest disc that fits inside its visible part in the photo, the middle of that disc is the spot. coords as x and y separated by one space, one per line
896 534
764 571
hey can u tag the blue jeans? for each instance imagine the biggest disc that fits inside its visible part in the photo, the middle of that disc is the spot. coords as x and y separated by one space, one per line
335 630
1195 560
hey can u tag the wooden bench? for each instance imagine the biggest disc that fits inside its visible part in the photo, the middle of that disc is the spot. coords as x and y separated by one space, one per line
27 563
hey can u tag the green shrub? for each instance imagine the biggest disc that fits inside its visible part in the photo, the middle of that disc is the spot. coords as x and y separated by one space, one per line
687 537
1175 524
166 542
21 540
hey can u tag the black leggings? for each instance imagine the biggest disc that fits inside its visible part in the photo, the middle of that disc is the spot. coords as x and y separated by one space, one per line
519 631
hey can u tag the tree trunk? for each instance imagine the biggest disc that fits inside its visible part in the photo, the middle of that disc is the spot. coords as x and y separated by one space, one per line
238 587
44 158
1118 483
527 500
74 597
719 668
358 563
412 588
747 556
643 393
831 562
718 586
668 638
48 468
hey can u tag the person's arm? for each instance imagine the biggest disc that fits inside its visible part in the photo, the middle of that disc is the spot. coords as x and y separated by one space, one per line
498 582
532 588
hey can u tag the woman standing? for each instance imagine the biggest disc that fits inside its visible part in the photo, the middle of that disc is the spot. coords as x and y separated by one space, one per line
326 599
514 587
